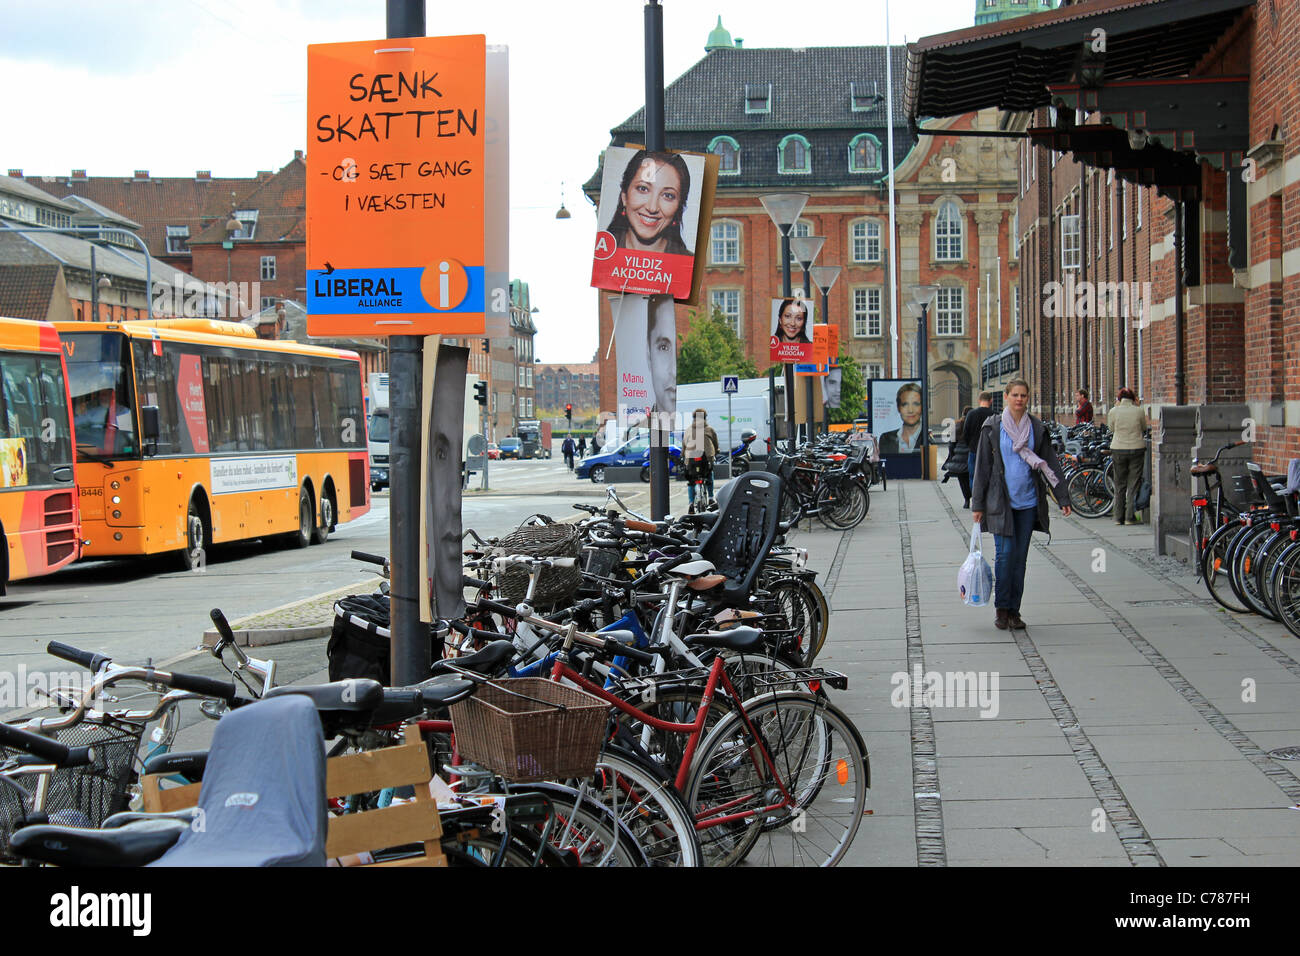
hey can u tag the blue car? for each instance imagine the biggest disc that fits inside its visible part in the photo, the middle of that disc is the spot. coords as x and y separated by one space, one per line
633 452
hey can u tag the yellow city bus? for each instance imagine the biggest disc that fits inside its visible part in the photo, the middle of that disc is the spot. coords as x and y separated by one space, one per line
194 432
38 514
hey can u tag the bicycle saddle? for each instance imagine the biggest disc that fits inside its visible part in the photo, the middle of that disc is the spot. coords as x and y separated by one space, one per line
691 569
186 763
489 660
346 695
734 639
440 691
133 844
1204 469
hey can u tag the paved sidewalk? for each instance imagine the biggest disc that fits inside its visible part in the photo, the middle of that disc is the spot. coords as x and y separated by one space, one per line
1133 717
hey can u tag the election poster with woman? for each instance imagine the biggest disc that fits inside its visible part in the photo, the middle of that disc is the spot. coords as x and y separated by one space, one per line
648 220
792 330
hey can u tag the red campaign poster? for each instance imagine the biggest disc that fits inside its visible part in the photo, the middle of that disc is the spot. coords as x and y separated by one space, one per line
648 220
189 391
792 325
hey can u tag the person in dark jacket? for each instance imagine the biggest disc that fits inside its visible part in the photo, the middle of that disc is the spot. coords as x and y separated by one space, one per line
1015 465
958 462
970 429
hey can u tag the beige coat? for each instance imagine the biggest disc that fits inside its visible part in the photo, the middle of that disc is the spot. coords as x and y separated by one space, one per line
1127 422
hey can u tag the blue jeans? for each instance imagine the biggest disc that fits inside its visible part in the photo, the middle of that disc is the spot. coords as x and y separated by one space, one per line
1013 552
970 467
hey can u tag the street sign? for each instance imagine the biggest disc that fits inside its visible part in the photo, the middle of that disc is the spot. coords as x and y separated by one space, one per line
730 384
395 181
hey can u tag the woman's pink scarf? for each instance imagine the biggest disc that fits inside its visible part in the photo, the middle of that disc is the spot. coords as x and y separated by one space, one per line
1020 435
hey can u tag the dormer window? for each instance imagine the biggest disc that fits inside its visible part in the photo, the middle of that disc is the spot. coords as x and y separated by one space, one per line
728 152
864 154
862 99
794 155
758 98
248 223
178 239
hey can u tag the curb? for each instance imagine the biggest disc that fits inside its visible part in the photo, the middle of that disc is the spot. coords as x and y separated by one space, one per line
247 634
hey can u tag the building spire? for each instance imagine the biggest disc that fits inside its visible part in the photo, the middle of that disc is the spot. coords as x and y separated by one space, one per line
719 39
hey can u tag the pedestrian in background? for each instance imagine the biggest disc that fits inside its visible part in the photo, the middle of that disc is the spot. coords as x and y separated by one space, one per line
582 447
970 429
1014 467
1082 407
1127 423
958 463
567 449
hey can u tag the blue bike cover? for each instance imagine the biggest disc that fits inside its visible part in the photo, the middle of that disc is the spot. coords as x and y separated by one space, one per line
263 796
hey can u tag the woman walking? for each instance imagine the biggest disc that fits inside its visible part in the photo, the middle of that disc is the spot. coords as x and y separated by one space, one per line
1127 422
1015 464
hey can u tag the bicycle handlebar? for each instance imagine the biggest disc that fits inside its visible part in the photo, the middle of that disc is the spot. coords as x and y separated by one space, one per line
369 558
88 659
45 748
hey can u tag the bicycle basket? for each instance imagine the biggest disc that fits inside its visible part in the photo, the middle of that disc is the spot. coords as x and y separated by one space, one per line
529 729
79 796
540 541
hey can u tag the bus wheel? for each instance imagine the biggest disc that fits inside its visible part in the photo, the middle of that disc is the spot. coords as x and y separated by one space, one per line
302 537
321 532
197 539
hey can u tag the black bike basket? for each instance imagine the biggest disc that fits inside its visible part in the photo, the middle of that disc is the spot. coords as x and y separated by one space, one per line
549 540
360 644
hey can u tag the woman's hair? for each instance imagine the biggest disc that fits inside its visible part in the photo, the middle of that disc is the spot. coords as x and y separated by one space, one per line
966 411
1127 392
909 387
785 304
1084 393
1013 383
619 225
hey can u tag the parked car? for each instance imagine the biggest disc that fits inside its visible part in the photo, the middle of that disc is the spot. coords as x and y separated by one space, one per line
511 448
494 451
633 452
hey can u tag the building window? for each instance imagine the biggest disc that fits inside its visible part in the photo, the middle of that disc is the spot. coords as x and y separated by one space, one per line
1110 201
1101 216
1138 221
1070 242
867 319
178 239
268 268
724 244
948 232
268 302
1123 204
950 311
247 219
728 151
861 101
801 228
727 301
864 240
875 370
1015 309
1015 234
794 155
758 98
864 154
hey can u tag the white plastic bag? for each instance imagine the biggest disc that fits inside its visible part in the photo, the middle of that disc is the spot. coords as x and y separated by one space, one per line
975 578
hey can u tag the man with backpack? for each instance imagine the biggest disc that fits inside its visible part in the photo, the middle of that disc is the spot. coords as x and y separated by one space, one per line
701 448
568 449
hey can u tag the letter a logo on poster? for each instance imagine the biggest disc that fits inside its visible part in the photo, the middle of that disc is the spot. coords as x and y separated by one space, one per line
395 172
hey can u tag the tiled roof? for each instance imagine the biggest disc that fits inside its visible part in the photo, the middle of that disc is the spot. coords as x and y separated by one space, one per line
43 248
281 204
810 89
26 291
25 190
589 368
90 210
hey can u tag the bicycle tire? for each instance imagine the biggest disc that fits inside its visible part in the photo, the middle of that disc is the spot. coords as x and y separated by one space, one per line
1231 560
1085 493
643 799
1215 569
588 830
1284 586
794 599
475 851
1248 556
808 740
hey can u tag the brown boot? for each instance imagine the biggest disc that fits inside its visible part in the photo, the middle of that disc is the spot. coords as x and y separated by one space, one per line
1000 622
1013 618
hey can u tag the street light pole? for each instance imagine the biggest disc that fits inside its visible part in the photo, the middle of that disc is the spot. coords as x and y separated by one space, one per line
824 278
806 249
922 296
784 209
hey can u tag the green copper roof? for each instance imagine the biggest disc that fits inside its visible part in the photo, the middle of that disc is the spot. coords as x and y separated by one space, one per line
719 38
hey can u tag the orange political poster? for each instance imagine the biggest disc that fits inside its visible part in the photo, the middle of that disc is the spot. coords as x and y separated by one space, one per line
395 172
833 346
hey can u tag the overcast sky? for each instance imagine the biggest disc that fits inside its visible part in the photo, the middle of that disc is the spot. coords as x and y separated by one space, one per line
174 86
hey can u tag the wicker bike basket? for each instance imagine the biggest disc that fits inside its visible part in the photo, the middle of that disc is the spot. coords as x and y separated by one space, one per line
78 796
530 728
551 540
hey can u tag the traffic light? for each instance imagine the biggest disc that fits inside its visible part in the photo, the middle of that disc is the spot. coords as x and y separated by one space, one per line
480 393
568 413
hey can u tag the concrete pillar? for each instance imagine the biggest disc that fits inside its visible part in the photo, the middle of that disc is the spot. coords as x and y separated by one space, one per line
1171 507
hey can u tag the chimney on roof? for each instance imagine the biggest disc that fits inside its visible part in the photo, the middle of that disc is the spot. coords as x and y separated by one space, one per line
142 174
739 43
297 154
79 174
16 173
263 174
203 174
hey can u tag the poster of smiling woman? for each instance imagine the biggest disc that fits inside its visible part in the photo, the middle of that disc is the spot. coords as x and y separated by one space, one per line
895 407
648 222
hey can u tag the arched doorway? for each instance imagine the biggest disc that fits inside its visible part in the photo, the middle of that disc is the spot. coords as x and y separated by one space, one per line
950 392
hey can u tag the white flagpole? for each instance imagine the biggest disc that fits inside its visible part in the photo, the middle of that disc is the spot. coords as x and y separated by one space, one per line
895 357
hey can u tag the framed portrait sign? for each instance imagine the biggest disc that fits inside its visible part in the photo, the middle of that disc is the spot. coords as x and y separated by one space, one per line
792 330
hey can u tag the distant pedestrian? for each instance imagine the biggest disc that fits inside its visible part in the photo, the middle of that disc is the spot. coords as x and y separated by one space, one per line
596 443
568 449
582 447
1014 466
970 428
1127 422
1082 407
958 463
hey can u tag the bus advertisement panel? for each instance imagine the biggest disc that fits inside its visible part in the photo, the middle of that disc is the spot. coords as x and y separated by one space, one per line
201 433
38 514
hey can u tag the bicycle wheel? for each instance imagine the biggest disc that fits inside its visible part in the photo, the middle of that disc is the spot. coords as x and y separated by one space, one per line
1215 569
1246 561
792 599
677 704
1263 568
791 509
1232 559
840 506
1087 493
645 802
588 830
1284 587
807 812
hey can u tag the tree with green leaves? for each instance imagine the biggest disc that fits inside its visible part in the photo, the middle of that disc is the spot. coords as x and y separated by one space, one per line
710 350
853 392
